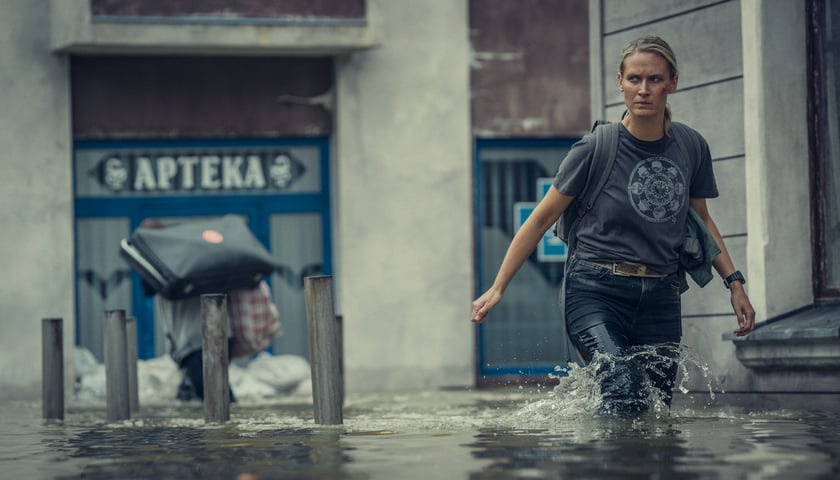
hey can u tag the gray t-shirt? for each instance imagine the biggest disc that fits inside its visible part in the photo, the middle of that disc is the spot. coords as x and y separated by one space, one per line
641 212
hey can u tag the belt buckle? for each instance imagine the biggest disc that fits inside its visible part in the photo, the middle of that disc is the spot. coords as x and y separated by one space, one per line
630 269
616 271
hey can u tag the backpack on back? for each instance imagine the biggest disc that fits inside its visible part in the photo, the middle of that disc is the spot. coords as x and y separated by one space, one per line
606 146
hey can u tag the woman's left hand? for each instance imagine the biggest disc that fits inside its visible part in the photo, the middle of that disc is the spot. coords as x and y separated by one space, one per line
744 311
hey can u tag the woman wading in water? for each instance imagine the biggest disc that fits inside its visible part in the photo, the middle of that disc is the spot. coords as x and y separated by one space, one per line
623 281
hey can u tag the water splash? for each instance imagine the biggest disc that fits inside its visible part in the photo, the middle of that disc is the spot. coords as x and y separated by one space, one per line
581 392
689 358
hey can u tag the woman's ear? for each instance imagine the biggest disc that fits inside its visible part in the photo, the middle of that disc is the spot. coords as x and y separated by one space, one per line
673 87
620 86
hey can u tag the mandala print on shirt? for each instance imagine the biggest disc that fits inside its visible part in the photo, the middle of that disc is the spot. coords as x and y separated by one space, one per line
657 189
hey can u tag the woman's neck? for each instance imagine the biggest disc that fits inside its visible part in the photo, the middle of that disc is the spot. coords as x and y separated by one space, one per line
648 129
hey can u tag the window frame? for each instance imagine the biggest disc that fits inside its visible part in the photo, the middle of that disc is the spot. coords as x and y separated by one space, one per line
817 145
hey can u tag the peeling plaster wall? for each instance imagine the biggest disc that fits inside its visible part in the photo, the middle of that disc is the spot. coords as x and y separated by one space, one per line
403 222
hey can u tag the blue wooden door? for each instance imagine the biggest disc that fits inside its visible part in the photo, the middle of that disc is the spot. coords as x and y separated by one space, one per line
523 337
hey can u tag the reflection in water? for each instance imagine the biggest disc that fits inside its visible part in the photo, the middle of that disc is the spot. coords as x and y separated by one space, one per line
219 452
603 451
498 434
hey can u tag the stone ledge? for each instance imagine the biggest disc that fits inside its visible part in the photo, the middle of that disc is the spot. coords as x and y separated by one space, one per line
752 401
75 31
805 339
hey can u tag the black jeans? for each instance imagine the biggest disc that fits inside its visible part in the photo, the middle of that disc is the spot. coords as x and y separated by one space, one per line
192 383
635 322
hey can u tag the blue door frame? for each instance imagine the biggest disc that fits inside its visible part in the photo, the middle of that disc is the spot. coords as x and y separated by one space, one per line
257 207
484 370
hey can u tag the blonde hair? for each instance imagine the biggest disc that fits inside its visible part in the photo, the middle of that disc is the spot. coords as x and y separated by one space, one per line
652 44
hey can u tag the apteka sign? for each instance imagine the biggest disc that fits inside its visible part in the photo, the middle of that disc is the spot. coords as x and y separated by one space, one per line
130 172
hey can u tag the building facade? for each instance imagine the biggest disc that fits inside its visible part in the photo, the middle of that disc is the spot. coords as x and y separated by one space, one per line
757 78
395 145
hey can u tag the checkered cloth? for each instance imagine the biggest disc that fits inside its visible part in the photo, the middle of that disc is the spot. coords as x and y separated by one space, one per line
254 320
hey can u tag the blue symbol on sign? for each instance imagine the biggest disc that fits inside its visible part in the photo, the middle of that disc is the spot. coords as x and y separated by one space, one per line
550 248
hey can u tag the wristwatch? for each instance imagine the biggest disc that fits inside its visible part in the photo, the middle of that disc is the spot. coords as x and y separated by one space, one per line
735 277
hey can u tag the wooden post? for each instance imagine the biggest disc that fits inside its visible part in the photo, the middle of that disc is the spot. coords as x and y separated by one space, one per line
116 366
52 368
131 360
339 335
215 358
323 350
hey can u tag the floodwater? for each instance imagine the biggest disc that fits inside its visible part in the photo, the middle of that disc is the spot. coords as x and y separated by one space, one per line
518 432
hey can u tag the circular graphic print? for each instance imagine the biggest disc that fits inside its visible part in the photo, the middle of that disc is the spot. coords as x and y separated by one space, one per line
657 189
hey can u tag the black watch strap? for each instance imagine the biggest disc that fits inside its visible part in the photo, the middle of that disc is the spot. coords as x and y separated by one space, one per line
735 277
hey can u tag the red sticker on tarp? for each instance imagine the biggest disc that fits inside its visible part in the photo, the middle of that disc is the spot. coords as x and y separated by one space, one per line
212 236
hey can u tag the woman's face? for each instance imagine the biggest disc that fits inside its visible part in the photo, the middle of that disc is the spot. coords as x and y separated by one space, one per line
646 83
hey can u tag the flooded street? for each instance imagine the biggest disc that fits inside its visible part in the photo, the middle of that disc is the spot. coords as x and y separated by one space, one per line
489 434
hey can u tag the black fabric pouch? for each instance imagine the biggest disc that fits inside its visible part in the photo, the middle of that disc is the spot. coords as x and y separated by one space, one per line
197 257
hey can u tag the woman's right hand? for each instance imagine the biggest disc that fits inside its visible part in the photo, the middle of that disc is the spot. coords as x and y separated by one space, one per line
484 303
543 217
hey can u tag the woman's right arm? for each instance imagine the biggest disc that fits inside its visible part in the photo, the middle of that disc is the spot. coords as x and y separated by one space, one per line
543 217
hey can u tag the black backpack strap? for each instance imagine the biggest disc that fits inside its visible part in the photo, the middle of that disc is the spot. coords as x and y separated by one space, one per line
606 146
603 159
688 142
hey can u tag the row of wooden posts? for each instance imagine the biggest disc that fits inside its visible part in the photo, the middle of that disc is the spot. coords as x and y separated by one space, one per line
120 347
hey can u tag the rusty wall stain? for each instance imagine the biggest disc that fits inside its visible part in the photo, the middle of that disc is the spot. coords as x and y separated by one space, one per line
201 97
530 67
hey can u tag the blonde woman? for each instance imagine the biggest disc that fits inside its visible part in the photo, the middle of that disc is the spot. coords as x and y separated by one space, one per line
622 286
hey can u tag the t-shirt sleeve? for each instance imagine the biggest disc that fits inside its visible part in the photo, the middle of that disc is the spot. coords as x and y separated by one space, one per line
703 183
574 168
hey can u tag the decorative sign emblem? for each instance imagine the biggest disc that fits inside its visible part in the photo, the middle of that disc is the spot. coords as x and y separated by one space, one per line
166 173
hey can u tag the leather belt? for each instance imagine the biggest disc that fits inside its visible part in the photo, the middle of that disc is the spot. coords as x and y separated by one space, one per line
629 269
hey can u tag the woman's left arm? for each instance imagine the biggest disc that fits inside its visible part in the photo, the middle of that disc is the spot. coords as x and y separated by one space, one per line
744 311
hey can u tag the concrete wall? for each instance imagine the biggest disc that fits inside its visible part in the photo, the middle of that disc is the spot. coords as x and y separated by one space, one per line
75 31
742 85
36 243
403 222
776 144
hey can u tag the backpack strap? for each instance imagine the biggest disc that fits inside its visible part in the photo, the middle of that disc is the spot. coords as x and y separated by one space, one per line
603 159
688 141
